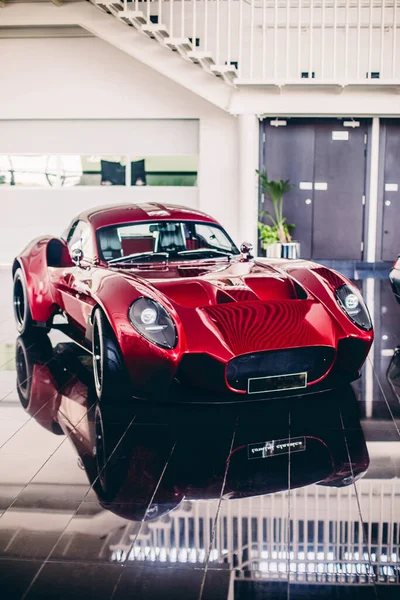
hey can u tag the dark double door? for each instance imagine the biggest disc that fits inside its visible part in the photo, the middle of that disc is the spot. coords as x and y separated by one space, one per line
326 162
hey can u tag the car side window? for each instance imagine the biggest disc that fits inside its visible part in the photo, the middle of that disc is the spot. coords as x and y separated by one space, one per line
80 237
70 235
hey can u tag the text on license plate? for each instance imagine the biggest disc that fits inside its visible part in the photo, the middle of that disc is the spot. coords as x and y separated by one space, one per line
294 381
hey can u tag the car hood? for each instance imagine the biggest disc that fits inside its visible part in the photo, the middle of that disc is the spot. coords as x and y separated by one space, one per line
247 307
236 282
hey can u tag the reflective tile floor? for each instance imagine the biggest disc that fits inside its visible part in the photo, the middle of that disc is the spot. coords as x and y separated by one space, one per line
294 498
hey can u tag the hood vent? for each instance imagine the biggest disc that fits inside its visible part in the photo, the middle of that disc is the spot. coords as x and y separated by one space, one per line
236 295
300 291
223 297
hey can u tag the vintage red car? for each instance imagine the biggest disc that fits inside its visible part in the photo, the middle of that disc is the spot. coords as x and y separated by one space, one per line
164 300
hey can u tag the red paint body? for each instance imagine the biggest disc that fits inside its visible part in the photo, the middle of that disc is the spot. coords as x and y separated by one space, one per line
221 309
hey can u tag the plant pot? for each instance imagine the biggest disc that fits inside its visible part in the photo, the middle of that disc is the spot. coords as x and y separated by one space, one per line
290 250
278 250
273 250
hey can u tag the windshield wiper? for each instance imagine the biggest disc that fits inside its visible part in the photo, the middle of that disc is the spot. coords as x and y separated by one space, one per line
141 257
203 251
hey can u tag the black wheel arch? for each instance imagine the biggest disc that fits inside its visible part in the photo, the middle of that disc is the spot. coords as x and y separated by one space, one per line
17 264
89 326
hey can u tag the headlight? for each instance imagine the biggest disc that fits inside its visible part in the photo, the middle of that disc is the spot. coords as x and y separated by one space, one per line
350 300
153 322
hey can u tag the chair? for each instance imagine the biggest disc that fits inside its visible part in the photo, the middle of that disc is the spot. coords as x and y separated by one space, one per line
110 244
135 245
170 238
138 172
112 173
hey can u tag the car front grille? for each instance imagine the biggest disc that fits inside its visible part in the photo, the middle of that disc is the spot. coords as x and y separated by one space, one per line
313 360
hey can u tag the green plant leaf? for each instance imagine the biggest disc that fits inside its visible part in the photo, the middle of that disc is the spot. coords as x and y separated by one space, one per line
275 191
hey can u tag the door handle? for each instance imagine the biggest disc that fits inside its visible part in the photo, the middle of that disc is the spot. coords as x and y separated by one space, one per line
308 201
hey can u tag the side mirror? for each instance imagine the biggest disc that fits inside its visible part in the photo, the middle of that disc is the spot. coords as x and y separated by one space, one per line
76 256
58 254
246 251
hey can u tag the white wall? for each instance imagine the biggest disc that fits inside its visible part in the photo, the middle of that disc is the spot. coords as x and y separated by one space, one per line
27 214
72 81
134 137
86 78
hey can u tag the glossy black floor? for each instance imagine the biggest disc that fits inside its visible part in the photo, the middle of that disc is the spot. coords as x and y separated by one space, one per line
280 499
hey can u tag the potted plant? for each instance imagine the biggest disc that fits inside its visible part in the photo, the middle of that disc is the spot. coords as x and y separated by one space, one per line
269 238
276 238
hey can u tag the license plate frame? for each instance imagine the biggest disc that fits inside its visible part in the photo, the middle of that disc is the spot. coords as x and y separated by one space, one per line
277 383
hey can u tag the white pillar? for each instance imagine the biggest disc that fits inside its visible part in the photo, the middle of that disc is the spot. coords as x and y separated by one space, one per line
249 131
373 192
218 179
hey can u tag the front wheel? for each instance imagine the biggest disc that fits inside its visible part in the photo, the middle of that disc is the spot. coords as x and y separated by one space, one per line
110 376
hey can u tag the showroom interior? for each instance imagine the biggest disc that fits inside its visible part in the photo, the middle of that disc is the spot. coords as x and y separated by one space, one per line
191 103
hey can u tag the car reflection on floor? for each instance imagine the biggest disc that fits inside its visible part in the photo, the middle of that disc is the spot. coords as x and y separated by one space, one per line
124 446
294 497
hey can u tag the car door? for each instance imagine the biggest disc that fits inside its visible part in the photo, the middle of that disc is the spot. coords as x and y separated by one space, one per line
76 281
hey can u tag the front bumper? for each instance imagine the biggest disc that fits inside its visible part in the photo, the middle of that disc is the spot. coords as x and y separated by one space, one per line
201 377
183 392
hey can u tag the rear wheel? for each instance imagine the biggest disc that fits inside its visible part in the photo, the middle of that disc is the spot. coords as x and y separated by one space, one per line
110 376
22 311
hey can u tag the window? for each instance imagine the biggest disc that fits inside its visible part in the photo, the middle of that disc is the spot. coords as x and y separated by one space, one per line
164 171
71 170
79 236
28 170
185 240
213 237
72 238
111 170
92 170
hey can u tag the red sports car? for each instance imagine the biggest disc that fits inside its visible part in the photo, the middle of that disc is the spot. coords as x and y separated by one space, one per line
165 301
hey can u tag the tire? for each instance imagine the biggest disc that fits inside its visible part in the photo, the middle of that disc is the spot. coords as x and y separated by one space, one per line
28 353
23 368
110 376
113 457
22 311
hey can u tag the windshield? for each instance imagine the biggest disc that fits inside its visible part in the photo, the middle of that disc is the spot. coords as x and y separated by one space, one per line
171 240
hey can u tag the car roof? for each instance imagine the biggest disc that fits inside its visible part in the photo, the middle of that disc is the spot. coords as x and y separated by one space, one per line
115 214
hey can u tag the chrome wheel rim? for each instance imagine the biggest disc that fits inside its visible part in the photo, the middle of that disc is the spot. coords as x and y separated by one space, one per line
100 450
97 369
22 371
19 302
